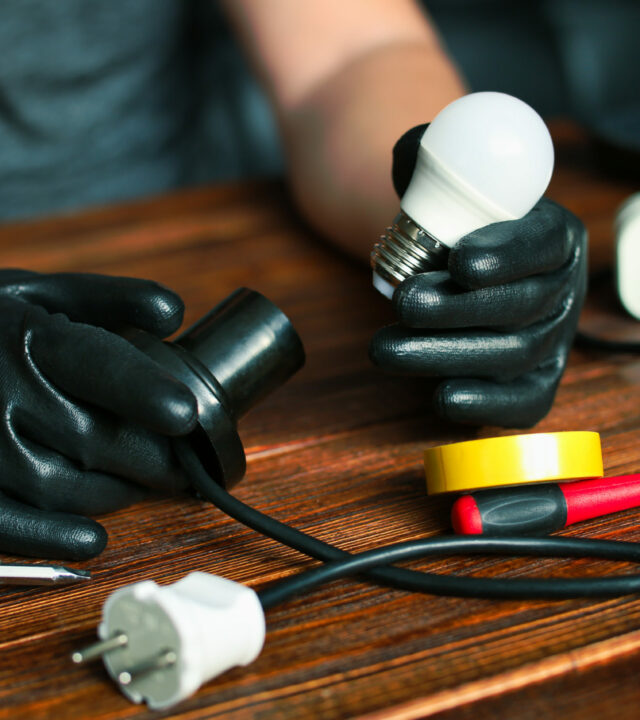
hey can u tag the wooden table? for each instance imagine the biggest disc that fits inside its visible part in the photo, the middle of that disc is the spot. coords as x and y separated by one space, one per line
337 452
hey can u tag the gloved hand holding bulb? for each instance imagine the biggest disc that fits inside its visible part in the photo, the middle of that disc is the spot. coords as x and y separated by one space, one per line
489 280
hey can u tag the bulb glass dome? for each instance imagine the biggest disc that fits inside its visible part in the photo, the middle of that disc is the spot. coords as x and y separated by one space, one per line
486 157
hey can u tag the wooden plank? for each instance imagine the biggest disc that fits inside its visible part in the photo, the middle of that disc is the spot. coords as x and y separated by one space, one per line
336 452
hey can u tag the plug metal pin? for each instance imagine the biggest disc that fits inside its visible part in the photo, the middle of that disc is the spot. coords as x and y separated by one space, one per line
164 659
93 652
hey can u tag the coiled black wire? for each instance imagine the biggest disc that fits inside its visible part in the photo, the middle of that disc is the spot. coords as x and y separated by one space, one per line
339 563
591 342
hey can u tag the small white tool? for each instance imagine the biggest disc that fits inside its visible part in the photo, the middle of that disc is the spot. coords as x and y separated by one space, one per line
41 575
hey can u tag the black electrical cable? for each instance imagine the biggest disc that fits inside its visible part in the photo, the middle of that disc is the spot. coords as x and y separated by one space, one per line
340 563
512 588
591 342
594 342
274 529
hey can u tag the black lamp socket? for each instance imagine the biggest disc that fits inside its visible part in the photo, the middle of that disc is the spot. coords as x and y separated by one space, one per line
231 358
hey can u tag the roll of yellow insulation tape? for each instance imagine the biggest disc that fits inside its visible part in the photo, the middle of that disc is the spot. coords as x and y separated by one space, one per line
513 460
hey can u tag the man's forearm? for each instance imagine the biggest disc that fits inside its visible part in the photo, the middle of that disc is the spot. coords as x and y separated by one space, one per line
346 80
339 138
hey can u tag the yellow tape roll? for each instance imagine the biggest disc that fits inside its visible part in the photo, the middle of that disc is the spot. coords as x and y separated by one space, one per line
513 460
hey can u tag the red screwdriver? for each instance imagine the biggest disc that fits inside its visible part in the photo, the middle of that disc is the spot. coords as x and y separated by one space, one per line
541 508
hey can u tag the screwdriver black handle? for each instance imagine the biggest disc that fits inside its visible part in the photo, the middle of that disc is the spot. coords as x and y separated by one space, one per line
535 510
544 507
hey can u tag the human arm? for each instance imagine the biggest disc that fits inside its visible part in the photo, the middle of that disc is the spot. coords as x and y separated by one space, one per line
346 80
344 92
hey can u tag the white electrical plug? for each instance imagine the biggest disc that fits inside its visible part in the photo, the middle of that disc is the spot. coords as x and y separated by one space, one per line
160 644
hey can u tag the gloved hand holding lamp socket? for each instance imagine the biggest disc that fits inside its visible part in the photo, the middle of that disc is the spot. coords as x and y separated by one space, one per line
89 419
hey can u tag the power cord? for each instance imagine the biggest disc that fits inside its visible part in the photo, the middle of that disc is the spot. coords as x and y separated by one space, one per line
594 342
412 580
160 644
489 588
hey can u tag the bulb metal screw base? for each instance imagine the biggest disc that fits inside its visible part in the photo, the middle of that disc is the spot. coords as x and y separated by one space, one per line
404 250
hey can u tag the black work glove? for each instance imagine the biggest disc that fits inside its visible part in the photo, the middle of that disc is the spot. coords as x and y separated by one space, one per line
85 415
499 323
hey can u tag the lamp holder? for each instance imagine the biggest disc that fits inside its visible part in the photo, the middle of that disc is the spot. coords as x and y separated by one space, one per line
230 359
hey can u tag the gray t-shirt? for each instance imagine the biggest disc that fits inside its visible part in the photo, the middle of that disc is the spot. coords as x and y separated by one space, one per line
102 100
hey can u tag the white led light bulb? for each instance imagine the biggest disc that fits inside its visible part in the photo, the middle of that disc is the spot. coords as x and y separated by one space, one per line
485 158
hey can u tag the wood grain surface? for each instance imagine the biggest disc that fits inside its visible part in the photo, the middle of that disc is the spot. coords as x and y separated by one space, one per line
337 452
